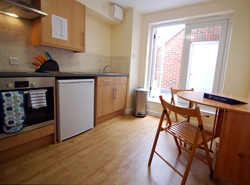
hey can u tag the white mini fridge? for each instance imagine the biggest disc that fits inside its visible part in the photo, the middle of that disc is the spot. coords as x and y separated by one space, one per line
75 107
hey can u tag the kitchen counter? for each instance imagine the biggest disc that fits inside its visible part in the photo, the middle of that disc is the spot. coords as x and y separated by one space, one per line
58 74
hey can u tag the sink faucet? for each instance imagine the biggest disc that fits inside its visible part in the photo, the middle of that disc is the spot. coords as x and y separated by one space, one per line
104 69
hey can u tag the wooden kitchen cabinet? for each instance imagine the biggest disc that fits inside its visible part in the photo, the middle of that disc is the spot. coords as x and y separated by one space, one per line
110 97
70 11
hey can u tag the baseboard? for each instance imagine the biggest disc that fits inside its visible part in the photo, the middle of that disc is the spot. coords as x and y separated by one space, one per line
153 113
128 111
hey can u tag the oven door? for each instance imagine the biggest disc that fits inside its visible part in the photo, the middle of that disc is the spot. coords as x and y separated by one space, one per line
34 116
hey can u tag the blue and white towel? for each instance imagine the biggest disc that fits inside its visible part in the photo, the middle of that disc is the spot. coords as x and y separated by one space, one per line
37 98
13 111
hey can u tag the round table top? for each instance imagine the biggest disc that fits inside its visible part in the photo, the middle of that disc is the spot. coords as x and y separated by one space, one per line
197 97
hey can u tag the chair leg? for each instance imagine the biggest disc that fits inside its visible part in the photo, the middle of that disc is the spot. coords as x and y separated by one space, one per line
207 153
209 161
159 129
178 144
190 159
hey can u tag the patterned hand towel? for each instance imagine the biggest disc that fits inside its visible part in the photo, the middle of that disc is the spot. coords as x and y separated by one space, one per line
13 111
37 98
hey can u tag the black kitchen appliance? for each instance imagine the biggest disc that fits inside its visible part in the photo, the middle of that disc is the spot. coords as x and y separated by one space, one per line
34 117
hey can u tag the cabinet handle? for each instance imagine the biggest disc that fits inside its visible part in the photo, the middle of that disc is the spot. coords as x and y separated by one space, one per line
113 97
115 93
83 39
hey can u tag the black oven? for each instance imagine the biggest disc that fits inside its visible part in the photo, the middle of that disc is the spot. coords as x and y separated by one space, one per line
34 117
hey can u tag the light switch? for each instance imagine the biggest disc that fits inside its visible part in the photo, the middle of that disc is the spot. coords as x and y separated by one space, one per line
103 7
13 61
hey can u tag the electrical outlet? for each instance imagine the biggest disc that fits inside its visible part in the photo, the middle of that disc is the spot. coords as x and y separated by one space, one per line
13 61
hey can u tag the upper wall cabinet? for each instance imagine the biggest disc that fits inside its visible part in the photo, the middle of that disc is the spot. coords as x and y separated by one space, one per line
64 27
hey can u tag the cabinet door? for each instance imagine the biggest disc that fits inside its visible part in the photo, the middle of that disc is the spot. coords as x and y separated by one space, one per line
120 89
77 26
105 101
74 14
105 95
120 97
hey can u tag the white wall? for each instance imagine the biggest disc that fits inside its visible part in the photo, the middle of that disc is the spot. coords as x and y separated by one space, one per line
125 42
100 6
100 9
98 36
135 57
121 39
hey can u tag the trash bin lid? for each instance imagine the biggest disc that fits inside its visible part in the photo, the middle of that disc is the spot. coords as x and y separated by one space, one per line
141 89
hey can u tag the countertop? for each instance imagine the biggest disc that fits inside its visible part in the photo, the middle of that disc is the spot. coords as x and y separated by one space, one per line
58 74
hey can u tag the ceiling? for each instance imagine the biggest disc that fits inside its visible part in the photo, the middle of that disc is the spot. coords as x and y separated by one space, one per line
149 6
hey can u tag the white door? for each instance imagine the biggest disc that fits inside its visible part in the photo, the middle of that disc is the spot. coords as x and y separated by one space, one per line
203 63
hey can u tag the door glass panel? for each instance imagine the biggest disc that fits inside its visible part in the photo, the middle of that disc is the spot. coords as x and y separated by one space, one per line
202 63
203 57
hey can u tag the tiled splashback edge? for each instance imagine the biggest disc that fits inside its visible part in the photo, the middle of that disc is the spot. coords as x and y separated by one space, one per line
68 61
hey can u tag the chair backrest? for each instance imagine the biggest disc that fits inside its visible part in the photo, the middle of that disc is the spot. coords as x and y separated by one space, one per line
187 112
175 91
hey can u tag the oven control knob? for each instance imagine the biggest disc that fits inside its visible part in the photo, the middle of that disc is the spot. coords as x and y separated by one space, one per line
9 85
33 84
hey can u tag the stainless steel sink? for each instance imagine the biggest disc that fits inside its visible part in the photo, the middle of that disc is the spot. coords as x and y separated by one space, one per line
109 73
81 73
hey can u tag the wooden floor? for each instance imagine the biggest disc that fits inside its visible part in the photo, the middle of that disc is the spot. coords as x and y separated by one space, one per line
114 152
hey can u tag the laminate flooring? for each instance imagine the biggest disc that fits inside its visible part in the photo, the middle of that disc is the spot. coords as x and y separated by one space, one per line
115 152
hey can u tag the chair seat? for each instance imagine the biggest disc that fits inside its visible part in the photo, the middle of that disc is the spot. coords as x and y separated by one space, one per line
186 132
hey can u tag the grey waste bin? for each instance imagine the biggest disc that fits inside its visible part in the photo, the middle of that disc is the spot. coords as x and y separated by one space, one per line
140 102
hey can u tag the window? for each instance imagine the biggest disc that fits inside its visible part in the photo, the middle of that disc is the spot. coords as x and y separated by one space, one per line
188 55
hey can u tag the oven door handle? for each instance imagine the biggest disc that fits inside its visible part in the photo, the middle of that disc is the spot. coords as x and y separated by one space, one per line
27 92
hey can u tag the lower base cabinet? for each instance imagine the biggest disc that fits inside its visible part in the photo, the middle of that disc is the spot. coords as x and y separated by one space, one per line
110 97
22 143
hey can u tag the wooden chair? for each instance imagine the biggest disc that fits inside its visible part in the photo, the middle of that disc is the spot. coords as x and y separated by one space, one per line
173 94
194 136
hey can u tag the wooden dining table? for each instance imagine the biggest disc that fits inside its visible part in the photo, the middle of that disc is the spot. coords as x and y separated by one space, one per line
232 124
